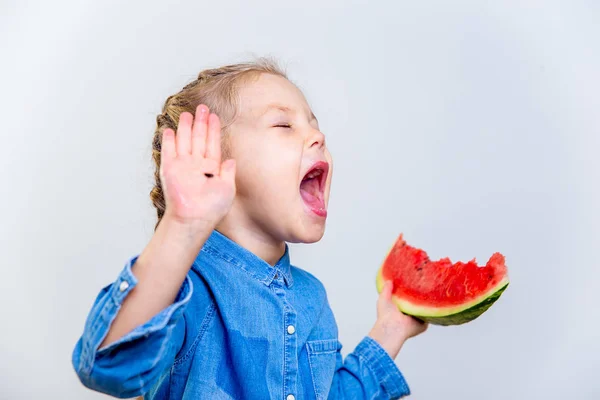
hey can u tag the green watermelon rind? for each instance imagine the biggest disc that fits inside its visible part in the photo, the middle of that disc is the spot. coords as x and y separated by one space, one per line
446 316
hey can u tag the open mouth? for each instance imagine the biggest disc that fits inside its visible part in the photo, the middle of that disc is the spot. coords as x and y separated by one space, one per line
312 188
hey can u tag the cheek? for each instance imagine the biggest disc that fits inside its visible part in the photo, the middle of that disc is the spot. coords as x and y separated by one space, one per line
267 170
247 165
280 165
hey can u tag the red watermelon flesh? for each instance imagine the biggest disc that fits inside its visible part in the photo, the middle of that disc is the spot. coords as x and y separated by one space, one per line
441 292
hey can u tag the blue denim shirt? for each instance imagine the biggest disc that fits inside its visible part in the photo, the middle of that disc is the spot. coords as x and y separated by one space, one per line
238 329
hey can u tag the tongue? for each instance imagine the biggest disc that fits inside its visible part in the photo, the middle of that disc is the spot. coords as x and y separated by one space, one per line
309 190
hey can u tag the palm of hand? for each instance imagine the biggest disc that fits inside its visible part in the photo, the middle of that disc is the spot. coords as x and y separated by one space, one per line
197 186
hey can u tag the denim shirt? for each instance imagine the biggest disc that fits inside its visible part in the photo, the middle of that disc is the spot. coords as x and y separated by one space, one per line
238 329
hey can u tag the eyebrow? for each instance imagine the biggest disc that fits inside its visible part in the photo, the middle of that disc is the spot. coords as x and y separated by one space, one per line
286 110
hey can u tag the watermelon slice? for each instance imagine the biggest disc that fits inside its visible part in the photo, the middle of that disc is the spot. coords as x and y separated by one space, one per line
441 292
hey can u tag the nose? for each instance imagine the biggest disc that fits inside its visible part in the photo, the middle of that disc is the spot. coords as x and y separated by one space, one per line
316 138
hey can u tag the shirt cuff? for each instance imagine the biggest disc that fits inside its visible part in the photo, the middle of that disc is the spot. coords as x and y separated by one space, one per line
119 291
384 368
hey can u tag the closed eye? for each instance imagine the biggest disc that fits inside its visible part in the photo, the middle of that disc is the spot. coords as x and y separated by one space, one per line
282 126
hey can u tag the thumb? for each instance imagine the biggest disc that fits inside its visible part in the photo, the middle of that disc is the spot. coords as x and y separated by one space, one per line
385 296
228 170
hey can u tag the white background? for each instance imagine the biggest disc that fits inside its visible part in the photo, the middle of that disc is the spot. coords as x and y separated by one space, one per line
471 126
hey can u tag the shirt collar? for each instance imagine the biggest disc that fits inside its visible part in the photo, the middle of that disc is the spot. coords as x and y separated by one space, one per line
248 261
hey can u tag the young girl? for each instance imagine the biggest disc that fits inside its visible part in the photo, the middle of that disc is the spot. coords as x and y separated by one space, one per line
212 308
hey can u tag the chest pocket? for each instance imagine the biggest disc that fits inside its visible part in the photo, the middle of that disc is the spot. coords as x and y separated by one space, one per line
321 358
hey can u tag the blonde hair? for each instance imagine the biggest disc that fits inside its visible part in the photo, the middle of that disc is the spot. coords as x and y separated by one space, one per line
218 89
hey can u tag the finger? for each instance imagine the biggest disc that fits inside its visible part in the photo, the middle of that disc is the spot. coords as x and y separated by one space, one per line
421 327
384 297
199 130
387 290
381 297
184 133
228 170
167 146
213 140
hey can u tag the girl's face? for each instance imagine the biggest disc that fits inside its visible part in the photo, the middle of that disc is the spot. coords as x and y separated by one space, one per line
283 166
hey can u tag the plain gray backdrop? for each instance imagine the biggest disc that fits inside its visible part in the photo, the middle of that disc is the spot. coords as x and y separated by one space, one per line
470 126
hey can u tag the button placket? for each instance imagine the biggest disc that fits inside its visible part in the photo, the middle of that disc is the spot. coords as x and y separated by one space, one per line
290 364
291 352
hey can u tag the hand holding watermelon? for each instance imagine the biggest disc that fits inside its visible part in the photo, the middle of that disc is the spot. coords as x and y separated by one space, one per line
392 327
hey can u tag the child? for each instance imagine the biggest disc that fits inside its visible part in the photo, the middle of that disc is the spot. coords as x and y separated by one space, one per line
212 308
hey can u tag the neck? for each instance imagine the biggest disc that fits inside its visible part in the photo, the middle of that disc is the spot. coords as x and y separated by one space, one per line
253 239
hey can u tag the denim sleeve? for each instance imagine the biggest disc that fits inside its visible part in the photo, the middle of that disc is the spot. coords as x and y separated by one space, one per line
367 373
132 364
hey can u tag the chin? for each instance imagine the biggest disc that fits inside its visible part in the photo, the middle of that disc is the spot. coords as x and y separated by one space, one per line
309 234
314 237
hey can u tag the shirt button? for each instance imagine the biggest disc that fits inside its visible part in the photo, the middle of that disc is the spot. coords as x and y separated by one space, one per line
123 286
291 330
290 397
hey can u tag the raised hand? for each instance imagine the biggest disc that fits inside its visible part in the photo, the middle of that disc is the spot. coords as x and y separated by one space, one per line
198 188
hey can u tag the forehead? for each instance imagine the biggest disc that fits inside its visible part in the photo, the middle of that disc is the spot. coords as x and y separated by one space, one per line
258 95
